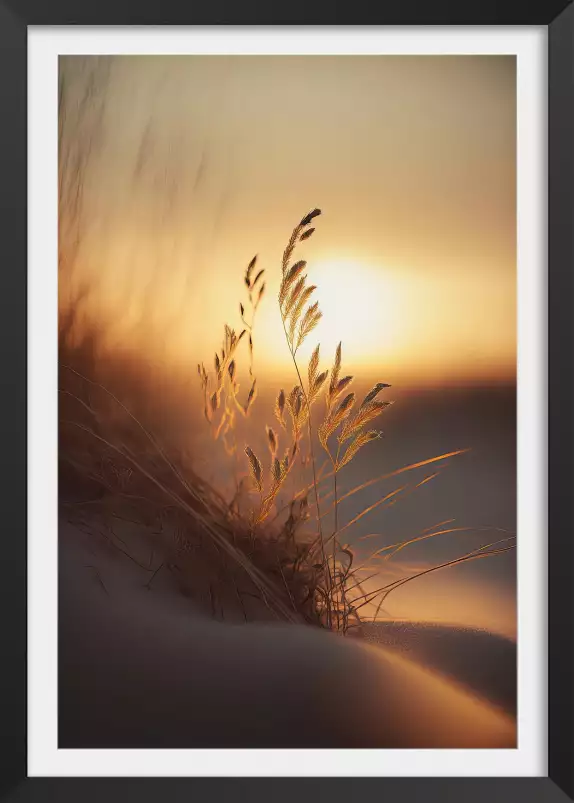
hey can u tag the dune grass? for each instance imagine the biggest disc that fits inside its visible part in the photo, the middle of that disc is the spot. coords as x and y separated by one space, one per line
342 433
251 556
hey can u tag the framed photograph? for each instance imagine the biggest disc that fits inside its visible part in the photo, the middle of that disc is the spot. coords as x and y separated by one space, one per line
289 437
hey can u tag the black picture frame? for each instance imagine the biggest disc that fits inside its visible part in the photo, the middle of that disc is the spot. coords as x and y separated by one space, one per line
15 17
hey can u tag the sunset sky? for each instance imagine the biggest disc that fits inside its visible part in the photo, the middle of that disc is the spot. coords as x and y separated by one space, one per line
198 163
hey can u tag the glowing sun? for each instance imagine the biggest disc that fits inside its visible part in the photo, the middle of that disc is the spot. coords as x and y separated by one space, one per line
360 306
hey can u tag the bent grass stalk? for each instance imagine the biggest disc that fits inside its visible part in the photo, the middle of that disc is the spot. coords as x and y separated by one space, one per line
258 578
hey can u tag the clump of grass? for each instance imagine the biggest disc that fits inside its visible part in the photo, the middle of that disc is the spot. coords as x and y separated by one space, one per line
342 433
299 316
279 560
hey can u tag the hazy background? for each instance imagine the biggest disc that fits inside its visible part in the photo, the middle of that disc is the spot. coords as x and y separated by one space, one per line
197 163
191 165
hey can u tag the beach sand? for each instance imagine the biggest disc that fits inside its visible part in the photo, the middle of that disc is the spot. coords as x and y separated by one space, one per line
144 668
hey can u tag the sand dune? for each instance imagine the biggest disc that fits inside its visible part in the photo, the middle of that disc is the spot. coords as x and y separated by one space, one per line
483 662
143 669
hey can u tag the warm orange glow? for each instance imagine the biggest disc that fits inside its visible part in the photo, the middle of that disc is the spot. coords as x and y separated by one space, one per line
414 256
362 306
421 328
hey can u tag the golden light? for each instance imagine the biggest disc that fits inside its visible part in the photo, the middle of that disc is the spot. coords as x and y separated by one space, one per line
395 320
361 307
